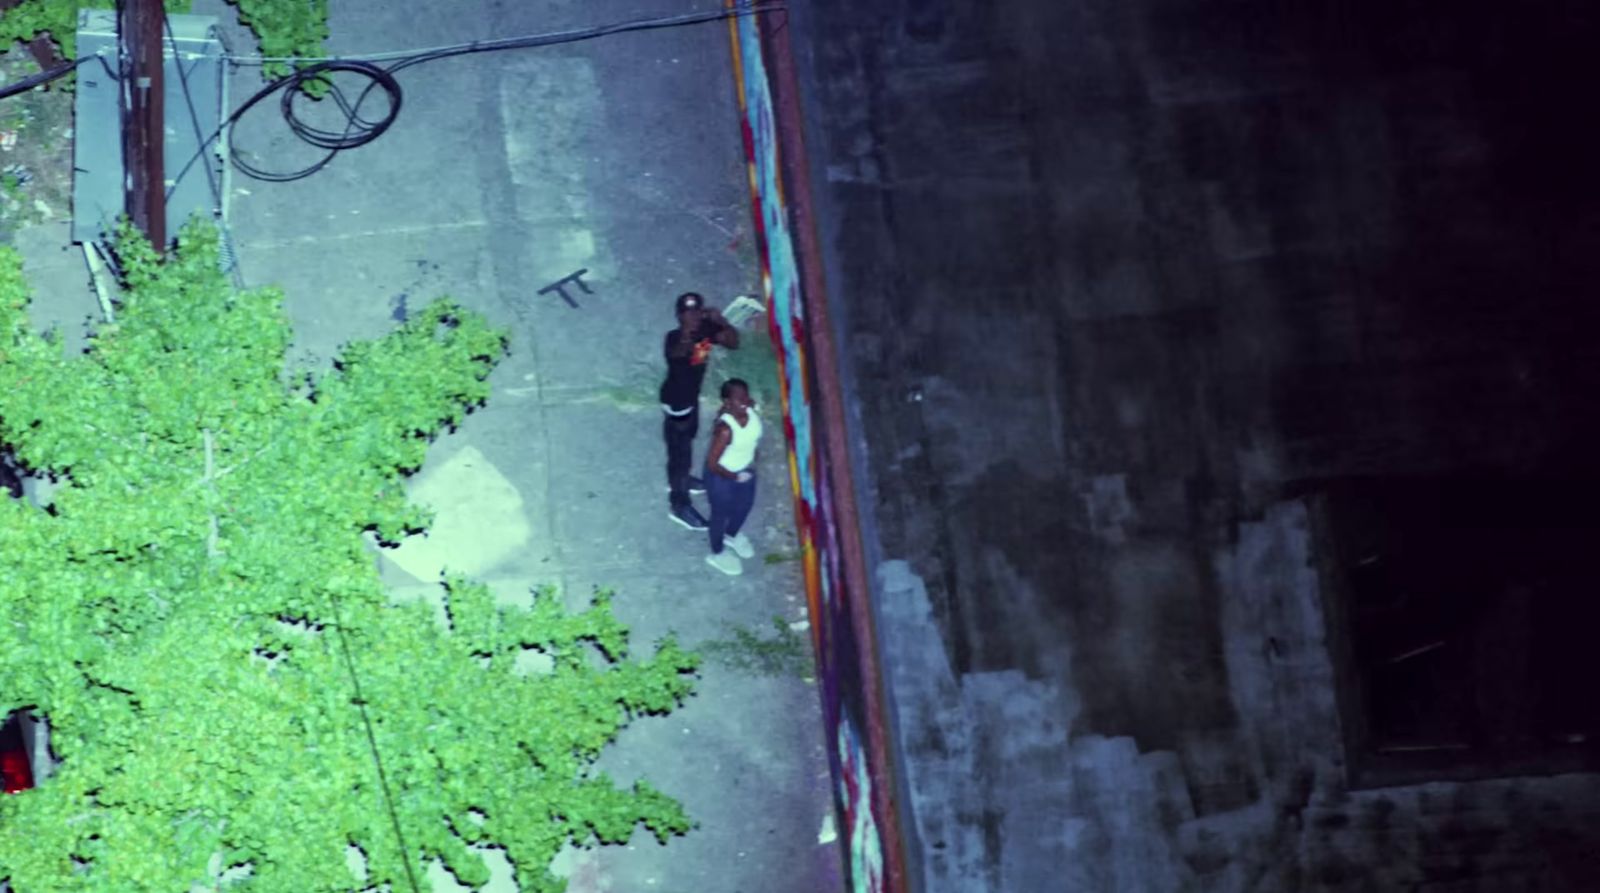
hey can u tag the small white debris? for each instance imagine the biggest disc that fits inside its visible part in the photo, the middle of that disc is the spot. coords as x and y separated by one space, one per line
828 834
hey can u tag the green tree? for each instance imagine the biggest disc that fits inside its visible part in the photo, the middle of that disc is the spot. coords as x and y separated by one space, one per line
283 27
201 621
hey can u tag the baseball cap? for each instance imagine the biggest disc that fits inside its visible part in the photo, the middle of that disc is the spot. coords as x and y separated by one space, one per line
690 301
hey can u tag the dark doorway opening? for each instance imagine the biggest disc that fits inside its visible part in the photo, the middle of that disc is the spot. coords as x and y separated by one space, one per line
1464 617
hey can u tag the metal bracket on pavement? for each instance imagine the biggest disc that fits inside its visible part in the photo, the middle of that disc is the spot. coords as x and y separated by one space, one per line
560 286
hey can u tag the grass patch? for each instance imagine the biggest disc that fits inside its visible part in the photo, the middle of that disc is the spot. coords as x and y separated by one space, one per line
783 653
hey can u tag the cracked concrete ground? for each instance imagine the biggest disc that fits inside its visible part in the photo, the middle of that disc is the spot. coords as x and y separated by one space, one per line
505 172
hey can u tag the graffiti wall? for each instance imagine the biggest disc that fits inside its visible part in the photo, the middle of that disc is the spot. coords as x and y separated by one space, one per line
845 668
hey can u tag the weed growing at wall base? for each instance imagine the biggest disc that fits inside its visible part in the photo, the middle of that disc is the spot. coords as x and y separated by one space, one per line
785 653
199 620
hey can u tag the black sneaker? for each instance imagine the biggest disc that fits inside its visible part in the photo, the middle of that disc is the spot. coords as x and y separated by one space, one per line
688 517
692 484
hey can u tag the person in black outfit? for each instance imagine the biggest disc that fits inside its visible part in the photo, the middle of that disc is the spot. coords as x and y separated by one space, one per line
688 350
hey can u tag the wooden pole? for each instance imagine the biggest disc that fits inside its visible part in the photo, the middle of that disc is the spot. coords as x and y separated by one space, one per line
139 29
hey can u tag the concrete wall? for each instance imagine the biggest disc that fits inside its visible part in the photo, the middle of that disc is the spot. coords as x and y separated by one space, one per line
1131 290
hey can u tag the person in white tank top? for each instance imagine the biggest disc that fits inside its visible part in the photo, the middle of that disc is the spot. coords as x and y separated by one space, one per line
730 477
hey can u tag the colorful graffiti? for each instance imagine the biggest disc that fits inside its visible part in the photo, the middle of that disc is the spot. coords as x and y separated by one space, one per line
859 789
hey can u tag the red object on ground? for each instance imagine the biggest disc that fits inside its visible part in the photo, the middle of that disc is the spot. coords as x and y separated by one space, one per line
14 769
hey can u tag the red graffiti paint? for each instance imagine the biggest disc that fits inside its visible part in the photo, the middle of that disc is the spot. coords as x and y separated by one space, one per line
841 634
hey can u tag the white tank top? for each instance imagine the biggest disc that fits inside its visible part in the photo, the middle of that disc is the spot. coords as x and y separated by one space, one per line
741 450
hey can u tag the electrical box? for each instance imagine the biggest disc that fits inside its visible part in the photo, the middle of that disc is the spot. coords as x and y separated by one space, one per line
194 93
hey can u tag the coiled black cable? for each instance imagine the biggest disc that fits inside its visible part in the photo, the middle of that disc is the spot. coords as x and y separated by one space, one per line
358 130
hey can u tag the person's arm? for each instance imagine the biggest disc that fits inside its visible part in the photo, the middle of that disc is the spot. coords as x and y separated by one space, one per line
680 347
727 335
721 436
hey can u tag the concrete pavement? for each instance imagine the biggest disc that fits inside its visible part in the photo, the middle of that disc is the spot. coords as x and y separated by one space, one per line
505 172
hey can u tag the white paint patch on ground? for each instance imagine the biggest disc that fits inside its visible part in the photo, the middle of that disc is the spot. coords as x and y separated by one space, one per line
582 869
479 520
551 110
502 878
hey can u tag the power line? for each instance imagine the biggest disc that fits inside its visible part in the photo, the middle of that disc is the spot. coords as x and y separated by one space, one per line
333 599
43 77
747 7
372 744
359 131
211 177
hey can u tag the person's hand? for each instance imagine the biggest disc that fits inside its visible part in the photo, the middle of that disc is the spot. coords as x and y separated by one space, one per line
744 477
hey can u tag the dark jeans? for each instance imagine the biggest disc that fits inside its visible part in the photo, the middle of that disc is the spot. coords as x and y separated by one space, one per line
730 505
679 432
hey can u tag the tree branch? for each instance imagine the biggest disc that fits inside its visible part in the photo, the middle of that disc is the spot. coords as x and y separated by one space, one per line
246 461
209 479
109 436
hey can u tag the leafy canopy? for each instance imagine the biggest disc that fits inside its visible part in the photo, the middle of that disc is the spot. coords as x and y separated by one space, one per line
188 614
284 27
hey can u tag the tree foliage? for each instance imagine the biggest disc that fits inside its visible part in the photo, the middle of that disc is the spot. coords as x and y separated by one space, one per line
188 614
294 28
283 27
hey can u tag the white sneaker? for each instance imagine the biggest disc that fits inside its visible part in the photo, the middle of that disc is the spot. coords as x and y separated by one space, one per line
726 562
740 544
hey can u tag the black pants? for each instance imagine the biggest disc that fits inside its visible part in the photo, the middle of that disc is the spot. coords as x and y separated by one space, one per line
679 432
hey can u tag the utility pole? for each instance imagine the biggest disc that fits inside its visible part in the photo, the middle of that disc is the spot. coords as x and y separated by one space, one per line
139 30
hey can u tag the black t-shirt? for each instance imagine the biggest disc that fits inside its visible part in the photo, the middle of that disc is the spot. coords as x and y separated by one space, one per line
681 390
